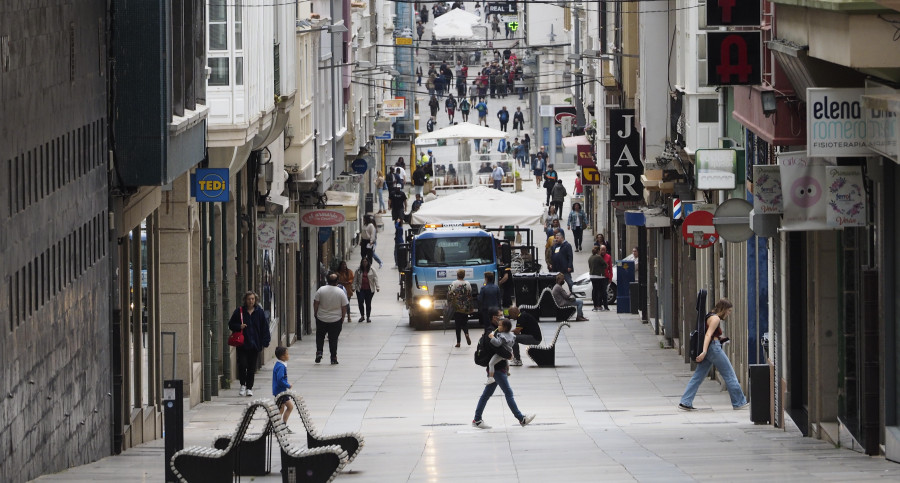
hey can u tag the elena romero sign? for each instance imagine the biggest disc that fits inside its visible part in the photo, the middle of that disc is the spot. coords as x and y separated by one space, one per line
321 217
835 123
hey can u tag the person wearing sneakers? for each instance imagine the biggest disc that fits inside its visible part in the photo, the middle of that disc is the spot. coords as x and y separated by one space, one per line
251 319
329 308
504 337
713 355
501 378
280 384
459 297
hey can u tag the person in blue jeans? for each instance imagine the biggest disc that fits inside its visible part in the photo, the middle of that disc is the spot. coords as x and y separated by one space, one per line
501 378
713 355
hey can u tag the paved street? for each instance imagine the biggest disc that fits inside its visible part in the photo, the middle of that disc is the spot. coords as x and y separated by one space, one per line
606 413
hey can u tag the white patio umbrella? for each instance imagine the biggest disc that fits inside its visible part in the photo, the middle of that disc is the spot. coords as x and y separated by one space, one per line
457 16
464 130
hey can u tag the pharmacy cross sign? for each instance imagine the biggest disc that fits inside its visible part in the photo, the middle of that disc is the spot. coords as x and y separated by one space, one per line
514 26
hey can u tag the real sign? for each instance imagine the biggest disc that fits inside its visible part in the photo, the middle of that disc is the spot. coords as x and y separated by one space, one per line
625 164
835 123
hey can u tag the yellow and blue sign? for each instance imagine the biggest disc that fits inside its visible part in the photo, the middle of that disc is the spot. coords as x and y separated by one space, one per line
210 185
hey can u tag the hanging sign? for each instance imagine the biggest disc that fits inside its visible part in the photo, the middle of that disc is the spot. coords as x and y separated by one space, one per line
584 155
767 194
729 13
733 58
210 185
804 200
266 233
626 167
321 217
846 196
835 124
289 228
393 107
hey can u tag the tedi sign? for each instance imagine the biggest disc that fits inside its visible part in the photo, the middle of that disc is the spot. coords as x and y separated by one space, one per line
626 167
836 124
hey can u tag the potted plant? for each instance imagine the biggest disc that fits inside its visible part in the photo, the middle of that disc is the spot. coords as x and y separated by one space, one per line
518 186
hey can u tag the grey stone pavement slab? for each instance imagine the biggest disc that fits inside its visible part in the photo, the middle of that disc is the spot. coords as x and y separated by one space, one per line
605 413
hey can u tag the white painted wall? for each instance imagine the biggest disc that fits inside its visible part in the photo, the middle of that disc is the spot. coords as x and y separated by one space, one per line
654 76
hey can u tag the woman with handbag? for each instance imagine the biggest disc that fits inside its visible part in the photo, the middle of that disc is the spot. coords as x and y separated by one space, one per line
249 319
713 355
459 300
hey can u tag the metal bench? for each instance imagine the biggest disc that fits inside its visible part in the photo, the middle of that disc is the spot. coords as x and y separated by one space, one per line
316 465
544 355
352 443
547 305
198 463
255 452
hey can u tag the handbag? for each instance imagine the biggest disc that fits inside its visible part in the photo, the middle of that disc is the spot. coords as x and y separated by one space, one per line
236 339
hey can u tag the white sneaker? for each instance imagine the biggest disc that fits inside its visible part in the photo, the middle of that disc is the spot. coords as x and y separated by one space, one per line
243 391
249 392
480 424
742 406
489 381
527 419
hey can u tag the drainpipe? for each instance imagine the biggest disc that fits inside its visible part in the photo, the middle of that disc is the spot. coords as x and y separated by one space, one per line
204 274
213 306
226 300
239 235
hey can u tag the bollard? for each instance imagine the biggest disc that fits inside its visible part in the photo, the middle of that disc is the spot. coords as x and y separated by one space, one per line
173 422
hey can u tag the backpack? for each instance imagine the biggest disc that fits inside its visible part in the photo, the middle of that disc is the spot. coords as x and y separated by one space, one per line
485 350
695 346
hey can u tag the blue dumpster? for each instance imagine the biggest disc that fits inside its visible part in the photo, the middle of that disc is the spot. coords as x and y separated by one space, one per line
624 277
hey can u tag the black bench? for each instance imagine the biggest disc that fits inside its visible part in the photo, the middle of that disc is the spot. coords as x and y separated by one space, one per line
255 452
544 355
315 465
352 443
547 307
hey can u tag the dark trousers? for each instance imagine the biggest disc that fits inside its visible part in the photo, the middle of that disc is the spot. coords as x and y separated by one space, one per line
364 298
559 208
247 360
333 330
577 234
599 286
365 249
548 194
503 125
461 321
524 339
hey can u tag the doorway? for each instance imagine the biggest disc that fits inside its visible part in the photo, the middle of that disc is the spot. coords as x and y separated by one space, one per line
798 333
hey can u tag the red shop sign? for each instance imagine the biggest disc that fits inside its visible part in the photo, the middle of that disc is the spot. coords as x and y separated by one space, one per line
322 217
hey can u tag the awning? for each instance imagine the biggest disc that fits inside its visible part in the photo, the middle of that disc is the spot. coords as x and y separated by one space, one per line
345 200
464 130
571 143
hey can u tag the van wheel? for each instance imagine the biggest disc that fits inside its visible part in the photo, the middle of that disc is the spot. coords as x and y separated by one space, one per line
418 321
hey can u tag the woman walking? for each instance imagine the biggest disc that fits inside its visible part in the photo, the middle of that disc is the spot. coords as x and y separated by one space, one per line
598 264
577 223
459 296
365 281
380 188
345 278
251 319
713 355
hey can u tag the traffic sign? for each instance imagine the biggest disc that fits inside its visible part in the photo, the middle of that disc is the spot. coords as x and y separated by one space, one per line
732 220
403 41
698 230
590 175
359 165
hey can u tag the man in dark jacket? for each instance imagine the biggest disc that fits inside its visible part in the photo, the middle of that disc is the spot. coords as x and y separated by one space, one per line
561 257
527 330
489 300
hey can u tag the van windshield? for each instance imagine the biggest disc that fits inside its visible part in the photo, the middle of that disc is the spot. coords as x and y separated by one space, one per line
454 251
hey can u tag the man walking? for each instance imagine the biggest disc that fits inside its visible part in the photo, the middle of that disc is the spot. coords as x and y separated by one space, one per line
561 257
503 116
497 176
330 307
518 120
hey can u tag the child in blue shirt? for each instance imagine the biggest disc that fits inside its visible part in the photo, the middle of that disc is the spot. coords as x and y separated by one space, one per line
280 383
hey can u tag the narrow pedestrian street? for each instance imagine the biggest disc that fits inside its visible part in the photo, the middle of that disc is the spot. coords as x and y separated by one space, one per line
607 412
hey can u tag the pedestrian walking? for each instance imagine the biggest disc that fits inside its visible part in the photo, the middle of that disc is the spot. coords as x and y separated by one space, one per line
497 176
561 257
460 304
249 318
365 284
577 224
518 120
501 379
503 116
420 29
713 355
598 264
433 104
450 105
280 384
579 187
550 179
504 337
600 240
345 278
538 166
489 300
329 307
558 196
380 187
464 108
482 109
367 237
397 202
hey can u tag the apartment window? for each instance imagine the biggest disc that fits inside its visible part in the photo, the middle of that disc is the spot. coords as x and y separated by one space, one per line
238 71
708 110
219 71
218 25
238 26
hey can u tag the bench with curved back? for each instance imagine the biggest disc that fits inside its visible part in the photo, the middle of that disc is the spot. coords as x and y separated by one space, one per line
544 355
547 305
352 443
256 451
317 465
199 463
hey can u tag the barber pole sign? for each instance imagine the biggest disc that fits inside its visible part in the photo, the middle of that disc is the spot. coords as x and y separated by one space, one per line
676 209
